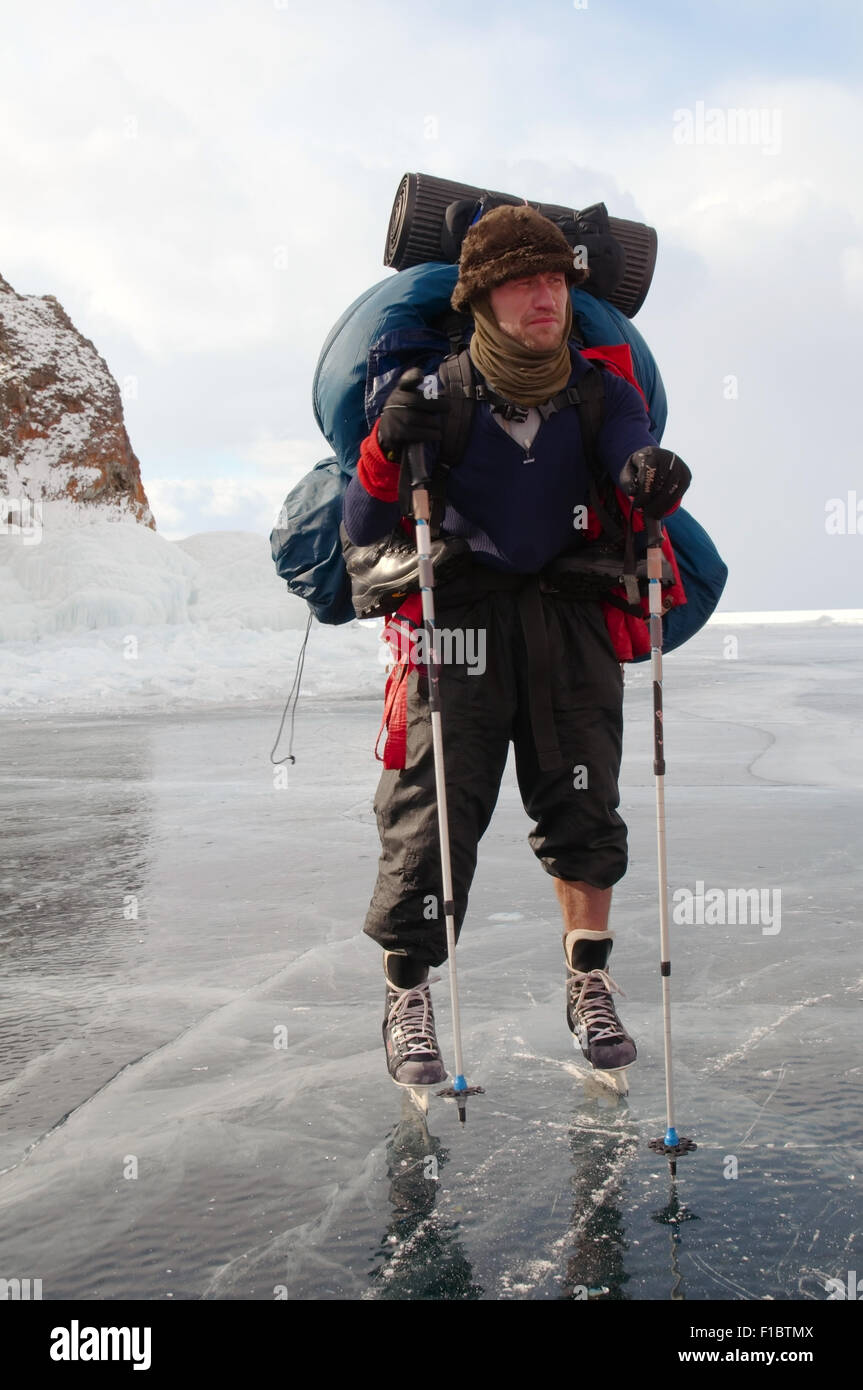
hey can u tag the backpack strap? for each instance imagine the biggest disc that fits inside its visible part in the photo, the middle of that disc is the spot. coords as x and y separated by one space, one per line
590 403
463 388
603 494
459 385
588 397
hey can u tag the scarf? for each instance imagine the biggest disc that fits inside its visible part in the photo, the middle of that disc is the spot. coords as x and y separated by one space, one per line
519 373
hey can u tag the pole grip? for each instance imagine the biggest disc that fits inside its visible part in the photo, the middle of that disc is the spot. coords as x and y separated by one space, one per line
418 458
654 544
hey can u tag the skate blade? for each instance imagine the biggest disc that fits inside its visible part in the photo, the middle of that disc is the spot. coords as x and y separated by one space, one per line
602 1081
418 1094
615 1080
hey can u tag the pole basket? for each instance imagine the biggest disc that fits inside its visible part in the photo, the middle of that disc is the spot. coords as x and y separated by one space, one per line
683 1146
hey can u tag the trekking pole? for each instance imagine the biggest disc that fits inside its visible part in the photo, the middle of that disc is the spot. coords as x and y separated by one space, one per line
420 477
672 1145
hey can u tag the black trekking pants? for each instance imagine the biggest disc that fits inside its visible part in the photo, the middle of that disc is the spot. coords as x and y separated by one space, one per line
578 835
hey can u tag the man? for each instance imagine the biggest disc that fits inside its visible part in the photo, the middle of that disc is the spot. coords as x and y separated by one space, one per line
552 683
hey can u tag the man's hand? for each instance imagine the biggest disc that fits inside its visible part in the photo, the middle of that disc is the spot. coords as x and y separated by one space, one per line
409 417
655 479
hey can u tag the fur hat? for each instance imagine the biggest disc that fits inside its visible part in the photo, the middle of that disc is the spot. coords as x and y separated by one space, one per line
508 242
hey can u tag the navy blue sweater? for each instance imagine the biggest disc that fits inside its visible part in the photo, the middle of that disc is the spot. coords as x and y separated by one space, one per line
515 507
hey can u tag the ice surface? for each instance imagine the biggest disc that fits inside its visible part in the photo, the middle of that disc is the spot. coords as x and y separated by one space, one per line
146 1045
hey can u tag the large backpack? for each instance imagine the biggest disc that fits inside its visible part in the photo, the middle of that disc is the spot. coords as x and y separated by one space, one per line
406 321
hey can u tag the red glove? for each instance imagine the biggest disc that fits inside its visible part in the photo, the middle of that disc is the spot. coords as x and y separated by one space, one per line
378 474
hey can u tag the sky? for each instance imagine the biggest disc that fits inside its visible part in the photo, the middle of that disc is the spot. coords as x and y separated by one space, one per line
207 187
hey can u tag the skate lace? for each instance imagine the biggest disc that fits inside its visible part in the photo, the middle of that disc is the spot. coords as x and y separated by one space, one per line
593 1003
411 1021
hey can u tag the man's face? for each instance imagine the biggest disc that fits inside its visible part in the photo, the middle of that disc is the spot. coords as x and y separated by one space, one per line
533 309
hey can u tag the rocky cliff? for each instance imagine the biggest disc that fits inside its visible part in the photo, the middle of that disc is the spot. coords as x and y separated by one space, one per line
63 442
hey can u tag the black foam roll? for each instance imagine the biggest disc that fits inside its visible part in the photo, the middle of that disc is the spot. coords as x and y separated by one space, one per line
417 220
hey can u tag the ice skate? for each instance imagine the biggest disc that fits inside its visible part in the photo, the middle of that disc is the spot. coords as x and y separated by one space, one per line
413 1056
590 1012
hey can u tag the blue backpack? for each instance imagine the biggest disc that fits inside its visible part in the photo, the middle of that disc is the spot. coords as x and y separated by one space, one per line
393 326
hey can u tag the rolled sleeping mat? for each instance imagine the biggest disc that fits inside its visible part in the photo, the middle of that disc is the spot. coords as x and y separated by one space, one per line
418 232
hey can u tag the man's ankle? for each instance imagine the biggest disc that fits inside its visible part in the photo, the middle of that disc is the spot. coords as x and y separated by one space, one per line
403 971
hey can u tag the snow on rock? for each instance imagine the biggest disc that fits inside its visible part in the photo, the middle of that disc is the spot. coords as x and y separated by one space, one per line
63 443
108 616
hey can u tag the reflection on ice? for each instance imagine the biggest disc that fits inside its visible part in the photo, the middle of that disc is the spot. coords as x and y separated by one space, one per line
421 1255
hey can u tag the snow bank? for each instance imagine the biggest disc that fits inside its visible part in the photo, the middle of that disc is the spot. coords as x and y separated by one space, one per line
109 616
822 616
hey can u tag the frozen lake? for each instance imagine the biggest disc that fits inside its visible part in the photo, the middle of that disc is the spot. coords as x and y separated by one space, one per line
170 919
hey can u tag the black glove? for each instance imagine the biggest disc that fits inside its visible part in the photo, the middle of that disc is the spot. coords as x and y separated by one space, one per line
409 417
655 479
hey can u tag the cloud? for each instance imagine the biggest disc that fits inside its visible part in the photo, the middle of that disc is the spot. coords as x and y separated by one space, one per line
207 189
246 502
852 271
288 458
